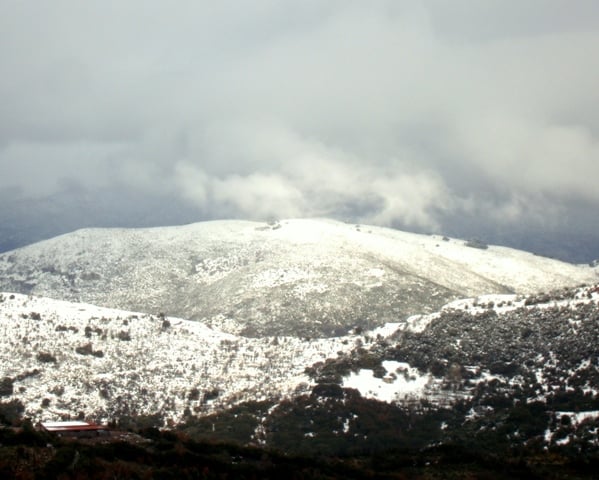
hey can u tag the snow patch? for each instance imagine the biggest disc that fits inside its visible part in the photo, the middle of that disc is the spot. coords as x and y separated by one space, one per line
401 382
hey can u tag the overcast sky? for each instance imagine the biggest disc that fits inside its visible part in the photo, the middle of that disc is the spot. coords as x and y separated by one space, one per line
387 112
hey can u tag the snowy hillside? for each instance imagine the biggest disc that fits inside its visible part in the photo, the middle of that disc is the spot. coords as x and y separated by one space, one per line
501 371
297 277
61 358
464 368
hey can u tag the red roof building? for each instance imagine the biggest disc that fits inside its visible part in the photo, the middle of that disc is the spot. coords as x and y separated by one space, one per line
73 428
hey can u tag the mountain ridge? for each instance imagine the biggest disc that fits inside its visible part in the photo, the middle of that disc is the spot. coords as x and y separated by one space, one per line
292 277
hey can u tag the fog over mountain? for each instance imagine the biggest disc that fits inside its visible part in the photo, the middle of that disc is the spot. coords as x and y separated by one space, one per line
455 118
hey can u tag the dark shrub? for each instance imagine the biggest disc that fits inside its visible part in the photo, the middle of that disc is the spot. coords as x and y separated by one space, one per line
6 387
10 412
85 349
46 357
327 390
476 243
125 336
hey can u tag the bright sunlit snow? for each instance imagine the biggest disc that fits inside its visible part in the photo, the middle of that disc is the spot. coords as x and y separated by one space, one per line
400 382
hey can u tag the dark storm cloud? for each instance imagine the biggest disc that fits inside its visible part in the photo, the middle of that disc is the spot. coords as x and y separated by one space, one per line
387 112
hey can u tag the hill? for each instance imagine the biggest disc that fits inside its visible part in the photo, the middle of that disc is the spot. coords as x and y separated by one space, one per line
525 363
303 278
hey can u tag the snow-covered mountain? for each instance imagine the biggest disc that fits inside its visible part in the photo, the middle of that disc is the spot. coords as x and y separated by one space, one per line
303 278
510 366
458 342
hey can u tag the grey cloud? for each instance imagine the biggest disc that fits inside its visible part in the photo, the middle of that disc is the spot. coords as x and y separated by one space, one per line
392 112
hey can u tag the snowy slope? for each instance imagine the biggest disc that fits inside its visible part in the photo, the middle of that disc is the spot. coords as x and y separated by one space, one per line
297 277
64 358
549 338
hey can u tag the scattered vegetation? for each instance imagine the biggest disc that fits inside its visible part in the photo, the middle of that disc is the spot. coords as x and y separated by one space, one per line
476 243
124 335
155 454
87 349
45 357
6 386
500 412
11 412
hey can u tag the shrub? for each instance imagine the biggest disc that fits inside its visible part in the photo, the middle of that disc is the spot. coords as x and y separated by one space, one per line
57 390
211 394
45 357
6 387
476 243
125 336
331 390
194 394
85 349
10 412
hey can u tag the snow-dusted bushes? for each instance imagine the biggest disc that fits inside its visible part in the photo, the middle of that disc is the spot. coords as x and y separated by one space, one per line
45 357
87 349
476 243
